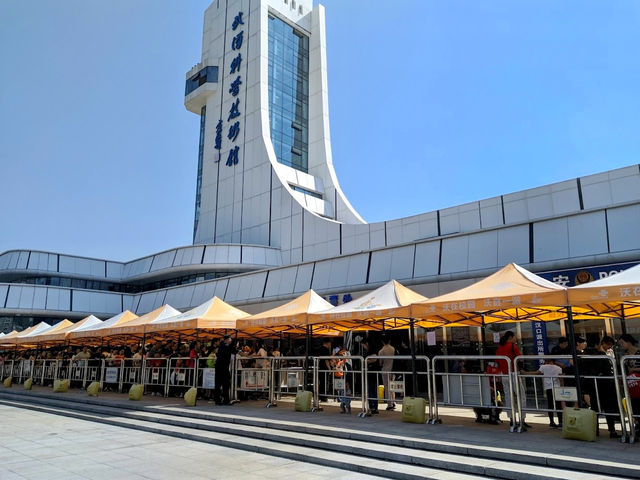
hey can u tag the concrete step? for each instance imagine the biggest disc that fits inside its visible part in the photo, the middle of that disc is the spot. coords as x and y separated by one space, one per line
509 465
346 462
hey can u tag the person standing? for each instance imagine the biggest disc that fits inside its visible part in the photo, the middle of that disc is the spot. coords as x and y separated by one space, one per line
223 375
508 348
551 373
630 347
372 376
387 367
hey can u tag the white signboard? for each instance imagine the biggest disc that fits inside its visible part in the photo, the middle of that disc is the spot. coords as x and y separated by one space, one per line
496 337
26 365
111 375
209 378
566 394
338 383
397 386
431 338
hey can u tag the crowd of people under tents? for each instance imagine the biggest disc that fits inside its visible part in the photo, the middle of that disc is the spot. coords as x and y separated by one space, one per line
250 352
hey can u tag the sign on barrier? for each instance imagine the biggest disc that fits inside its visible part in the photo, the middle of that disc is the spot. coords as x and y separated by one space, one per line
294 379
338 383
565 394
209 378
397 386
111 375
254 379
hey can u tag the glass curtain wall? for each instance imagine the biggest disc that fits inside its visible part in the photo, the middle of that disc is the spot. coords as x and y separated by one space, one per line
289 93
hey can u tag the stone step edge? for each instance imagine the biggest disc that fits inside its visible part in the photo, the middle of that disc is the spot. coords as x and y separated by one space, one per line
363 450
402 457
491 453
352 463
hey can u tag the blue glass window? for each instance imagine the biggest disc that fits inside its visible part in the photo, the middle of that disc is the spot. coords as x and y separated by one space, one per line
206 75
289 94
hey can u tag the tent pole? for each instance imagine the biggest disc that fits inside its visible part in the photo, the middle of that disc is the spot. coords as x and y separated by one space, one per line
412 335
306 360
483 341
623 321
574 354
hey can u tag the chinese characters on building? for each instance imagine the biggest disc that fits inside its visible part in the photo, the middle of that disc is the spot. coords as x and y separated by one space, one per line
539 339
233 122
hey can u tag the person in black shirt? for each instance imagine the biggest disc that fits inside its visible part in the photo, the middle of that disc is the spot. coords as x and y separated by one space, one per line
223 375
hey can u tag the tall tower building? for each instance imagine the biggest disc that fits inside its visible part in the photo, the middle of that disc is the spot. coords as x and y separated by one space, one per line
265 169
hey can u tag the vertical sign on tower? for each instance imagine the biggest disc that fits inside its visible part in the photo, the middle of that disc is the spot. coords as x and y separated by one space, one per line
233 123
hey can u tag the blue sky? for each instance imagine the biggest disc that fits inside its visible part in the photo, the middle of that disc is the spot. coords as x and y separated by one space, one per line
432 104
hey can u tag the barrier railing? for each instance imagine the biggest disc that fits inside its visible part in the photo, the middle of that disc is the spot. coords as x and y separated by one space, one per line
327 384
549 400
111 373
131 373
630 369
397 379
252 376
287 378
463 387
181 375
154 375
7 369
206 375
93 372
49 371
17 371
76 372
599 384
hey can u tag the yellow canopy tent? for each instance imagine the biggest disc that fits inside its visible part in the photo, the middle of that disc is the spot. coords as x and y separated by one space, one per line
617 295
212 317
292 317
136 327
386 307
11 339
93 333
35 338
8 338
510 294
60 334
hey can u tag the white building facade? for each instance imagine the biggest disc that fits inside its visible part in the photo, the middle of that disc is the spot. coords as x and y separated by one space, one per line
271 220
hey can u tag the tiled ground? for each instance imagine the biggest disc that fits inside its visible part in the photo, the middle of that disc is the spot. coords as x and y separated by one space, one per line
36 445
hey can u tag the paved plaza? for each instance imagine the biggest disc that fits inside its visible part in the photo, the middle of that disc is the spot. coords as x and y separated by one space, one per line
43 446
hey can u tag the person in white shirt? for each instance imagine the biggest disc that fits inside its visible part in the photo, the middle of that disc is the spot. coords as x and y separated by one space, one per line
387 366
551 380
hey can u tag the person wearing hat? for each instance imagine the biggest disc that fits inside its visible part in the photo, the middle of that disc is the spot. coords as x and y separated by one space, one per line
223 374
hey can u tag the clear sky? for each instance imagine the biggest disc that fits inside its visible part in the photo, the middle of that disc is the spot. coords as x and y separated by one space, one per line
433 104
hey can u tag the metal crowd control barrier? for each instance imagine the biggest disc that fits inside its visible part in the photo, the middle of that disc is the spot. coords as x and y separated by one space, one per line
76 372
287 378
602 389
93 372
631 386
473 389
397 383
130 373
154 375
253 375
49 371
542 403
327 384
6 367
111 374
205 373
17 371
181 374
